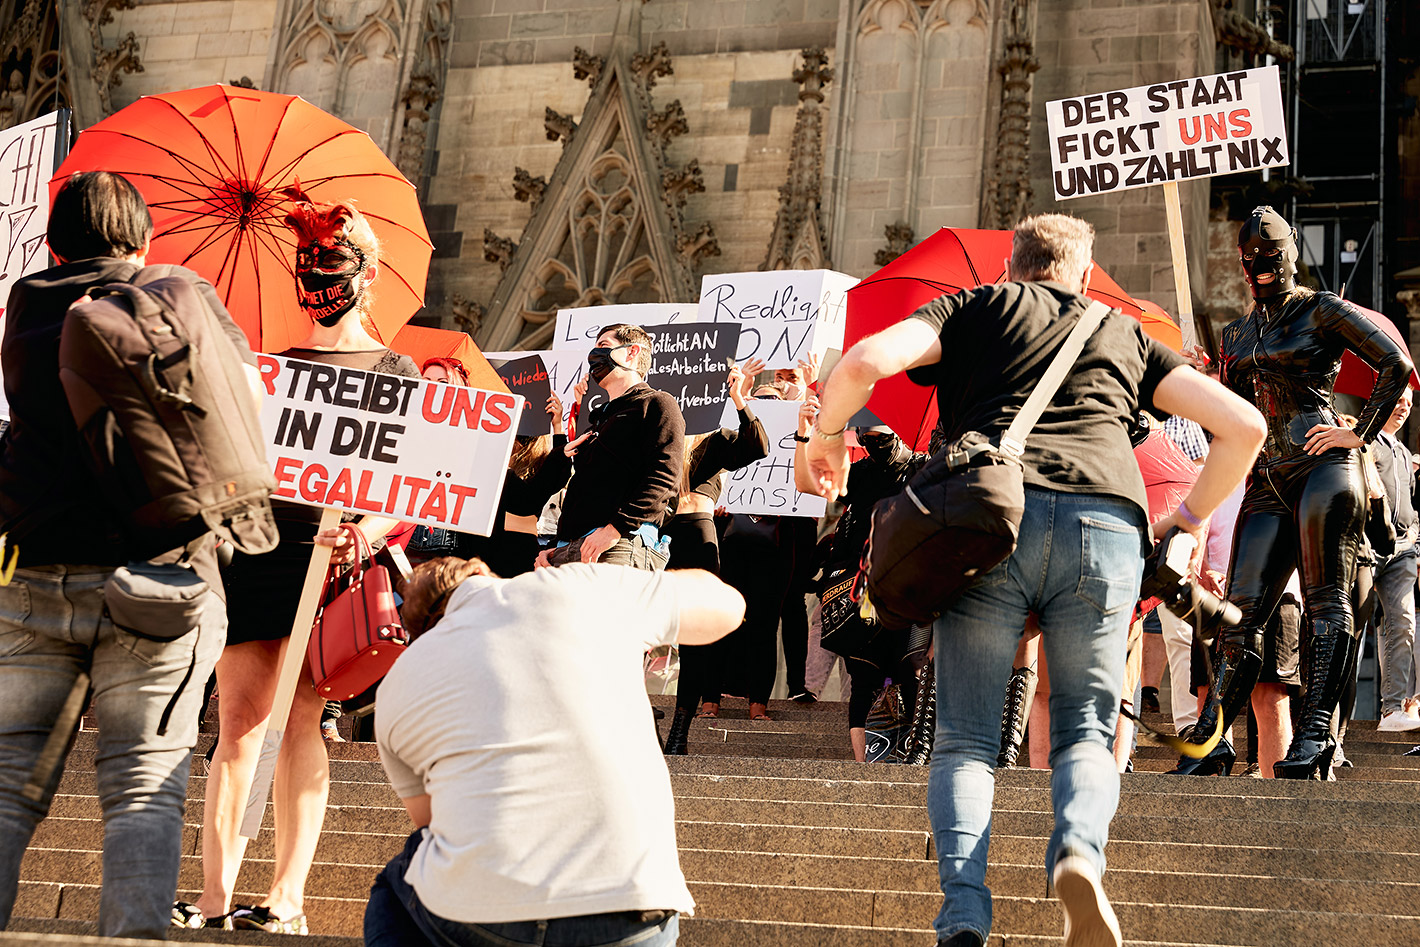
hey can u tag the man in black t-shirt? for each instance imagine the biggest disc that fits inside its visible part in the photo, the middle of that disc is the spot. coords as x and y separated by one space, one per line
1079 557
627 462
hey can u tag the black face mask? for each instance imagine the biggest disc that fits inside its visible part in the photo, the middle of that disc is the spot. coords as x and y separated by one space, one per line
1267 244
327 278
600 363
886 451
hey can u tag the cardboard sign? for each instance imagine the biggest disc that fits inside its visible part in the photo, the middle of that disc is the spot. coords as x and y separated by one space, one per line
29 153
1168 131
766 486
527 378
690 363
784 314
382 444
578 328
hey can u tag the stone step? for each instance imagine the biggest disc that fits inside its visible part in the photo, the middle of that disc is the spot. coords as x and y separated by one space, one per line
717 932
56 931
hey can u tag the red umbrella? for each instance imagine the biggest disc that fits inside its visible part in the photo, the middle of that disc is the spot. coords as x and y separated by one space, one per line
218 166
950 260
422 343
1356 377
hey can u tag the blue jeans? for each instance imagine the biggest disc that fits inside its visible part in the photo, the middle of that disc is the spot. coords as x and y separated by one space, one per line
52 627
395 917
1395 588
1077 566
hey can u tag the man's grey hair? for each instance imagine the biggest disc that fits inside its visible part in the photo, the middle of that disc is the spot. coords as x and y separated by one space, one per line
1054 247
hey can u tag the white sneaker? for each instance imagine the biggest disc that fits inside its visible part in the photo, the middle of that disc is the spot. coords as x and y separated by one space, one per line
1398 721
1089 920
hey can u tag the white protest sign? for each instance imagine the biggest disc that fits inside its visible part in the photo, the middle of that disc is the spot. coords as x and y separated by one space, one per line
1168 131
766 487
783 314
578 328
29 153
386 445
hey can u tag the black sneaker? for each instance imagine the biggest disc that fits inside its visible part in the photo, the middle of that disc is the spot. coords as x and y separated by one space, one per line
1149 702
967 938
804 697
187 916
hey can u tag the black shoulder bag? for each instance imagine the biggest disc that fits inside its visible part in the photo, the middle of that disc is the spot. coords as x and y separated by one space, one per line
960 516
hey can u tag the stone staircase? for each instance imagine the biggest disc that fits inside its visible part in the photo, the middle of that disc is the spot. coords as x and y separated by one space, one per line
785 841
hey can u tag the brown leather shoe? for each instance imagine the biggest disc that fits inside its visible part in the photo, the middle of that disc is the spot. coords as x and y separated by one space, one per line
759 712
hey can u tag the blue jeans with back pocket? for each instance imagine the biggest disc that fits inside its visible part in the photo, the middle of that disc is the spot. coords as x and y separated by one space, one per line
1077 566
53 627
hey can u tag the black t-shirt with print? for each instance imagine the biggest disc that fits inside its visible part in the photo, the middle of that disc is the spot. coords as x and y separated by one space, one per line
996 343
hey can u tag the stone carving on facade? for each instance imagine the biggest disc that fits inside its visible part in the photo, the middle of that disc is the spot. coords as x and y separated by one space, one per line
527 188
245 82
679 185
800 240
424 89
1237 31
558 126
335 54
498 249
468 314
586 66
608 225
668 123
899 241
109 61
1008 190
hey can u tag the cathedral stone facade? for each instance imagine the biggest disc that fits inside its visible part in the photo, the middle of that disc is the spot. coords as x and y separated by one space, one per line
572 152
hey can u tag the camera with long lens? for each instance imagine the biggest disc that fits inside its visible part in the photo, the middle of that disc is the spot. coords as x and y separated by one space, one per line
1167 577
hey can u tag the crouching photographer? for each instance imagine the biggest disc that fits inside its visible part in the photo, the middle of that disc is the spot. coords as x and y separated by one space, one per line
1079 539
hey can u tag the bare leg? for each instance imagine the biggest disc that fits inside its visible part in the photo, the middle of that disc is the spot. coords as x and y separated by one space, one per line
1274 724
858 737
300 794
1155 657
246 677
1038 732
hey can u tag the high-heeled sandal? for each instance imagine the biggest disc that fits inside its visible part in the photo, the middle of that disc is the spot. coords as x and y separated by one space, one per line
709 709
260 918
759 712
190 917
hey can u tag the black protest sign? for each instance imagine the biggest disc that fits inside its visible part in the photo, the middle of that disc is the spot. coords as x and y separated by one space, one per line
689 362
527 378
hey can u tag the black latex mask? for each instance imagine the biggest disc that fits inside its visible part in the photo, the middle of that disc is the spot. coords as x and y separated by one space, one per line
327 275
884 449
1267 244
600 362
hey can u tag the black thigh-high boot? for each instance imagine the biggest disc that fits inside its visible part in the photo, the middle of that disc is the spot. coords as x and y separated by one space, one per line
917 750
1020 691
1237 661
678 736
1309 756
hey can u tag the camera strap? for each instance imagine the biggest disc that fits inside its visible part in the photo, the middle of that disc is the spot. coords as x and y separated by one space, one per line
1013 442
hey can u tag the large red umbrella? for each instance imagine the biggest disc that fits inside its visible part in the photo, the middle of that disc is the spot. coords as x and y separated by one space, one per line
219 166
422 343
950 260
1356 377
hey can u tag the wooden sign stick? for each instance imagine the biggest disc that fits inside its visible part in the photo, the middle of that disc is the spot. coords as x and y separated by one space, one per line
289 678
1180 264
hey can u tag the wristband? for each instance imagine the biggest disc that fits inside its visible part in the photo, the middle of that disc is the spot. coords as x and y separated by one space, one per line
1187 515
800 438
824 436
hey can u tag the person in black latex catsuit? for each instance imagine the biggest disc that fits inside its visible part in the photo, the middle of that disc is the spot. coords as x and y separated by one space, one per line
1305 498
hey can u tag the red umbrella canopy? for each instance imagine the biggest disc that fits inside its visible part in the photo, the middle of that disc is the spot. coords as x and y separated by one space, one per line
219 167
949 261
1356 377
422 343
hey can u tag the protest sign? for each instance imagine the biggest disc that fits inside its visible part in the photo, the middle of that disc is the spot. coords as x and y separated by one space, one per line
385 445
1168 131
766 486
29 153
527 378
690 363
783 314
578 328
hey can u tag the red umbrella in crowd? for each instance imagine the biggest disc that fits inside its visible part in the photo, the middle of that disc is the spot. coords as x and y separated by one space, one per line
422 343
220 166
949 261
1356 377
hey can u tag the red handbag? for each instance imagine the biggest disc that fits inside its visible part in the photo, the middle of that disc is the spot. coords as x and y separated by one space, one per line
357 636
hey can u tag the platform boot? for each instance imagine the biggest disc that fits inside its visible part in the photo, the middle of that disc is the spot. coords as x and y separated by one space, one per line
917 751
1309 756
1020 692
678 736
1237 668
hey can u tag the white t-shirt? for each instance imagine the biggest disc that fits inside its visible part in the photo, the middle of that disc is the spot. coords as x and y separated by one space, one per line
523 715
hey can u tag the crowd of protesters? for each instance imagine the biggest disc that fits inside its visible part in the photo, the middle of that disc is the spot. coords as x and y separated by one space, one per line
610 540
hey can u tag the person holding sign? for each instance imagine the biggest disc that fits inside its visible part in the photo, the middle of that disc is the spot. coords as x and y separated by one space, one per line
337 258
1305 503
1079 556
628 459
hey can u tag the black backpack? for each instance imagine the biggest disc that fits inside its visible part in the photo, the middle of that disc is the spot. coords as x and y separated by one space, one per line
162 401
